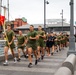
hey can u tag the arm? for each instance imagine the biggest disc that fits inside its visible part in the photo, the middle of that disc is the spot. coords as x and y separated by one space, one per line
25 41
32 38
43 35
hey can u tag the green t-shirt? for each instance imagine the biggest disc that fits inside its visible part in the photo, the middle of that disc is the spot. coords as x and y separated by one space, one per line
59 38
10 35
41 33
32 34
66 37
21 40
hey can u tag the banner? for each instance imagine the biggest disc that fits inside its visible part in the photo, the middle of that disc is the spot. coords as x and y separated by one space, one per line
2 18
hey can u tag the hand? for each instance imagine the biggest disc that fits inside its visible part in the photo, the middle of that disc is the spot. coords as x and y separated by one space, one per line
9 43
22 44
26 41
30 37
37 37
44 36
45 40
16 43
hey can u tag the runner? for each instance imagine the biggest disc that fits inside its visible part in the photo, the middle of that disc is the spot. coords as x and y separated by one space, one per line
56 43
41 43
59 41
62 41
21 41
53 43
9 44
32 45
48 44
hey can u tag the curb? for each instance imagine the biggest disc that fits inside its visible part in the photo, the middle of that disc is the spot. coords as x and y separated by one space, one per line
63 71
68 66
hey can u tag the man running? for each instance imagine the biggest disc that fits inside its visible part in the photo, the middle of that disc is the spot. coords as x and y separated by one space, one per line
48 44
21 41
32 45
10 36
41 43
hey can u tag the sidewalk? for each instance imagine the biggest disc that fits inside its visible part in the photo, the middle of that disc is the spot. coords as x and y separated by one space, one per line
48 66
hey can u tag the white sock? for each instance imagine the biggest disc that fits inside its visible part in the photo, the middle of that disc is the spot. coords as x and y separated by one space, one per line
6 61
15 58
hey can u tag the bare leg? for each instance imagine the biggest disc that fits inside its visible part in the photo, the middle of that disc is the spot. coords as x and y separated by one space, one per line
19 50
38 50
6 53
29 53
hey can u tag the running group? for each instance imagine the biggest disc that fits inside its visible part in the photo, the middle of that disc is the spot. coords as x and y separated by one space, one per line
37 43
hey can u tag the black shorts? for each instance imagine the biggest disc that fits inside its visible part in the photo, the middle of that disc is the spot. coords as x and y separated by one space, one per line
48 44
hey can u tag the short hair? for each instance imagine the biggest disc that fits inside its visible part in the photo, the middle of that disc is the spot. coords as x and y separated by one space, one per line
40 26
32 25
9 25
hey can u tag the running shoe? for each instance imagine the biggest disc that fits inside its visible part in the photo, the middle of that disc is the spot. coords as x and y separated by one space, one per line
30 65
42 57
5 63
18 59
15 60
36 61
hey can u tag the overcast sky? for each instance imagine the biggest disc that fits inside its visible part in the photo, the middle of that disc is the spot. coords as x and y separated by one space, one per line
33 10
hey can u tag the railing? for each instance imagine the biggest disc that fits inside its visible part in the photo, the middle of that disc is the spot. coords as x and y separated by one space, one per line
2 44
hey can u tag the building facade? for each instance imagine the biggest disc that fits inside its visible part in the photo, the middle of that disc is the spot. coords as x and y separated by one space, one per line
19 22
54 27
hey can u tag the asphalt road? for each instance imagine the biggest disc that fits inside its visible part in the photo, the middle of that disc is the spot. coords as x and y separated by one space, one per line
48 66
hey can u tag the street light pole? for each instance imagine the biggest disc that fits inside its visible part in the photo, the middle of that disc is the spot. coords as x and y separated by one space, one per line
72 38
8 9
62 19
0 6
45 15
45 2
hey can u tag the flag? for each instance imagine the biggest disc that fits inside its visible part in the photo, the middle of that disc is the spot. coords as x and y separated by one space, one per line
2 18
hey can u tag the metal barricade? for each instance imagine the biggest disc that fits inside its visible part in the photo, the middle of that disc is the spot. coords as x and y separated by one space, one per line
2 44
